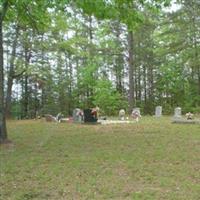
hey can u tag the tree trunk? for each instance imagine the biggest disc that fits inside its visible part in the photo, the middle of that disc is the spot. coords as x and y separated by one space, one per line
194 33
131 70
70 104
10 75
118 67
3 130
150 88
27 57
145 85
43 89
26 97
139 85
135 82
36 105
89 91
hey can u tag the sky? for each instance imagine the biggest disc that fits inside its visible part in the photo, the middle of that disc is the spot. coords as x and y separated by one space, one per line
173 7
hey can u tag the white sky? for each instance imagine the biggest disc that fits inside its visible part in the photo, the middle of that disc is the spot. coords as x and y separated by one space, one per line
173 7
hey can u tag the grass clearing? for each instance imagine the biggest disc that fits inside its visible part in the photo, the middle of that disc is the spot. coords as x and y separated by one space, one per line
152 159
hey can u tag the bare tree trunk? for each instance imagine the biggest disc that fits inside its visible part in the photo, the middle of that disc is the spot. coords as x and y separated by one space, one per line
139 85
27 57
70 105
150 88
11 75
131 70
36 106
136 85
118 67
3 130
145 85
199 80
90 91
43 101
26 97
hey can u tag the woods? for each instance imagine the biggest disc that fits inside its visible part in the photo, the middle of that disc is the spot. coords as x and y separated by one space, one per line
59 55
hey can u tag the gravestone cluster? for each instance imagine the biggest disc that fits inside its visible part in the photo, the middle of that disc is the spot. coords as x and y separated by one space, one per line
91 115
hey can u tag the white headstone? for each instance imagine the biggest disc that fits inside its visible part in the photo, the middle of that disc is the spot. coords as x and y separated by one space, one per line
189 116
136 110
77 115
122 114
177 112
136 114
158 112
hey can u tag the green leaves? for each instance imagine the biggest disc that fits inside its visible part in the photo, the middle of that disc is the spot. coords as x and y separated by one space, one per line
29 13
107 98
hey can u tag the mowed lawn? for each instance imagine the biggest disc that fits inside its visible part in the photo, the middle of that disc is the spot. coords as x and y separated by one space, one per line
151 160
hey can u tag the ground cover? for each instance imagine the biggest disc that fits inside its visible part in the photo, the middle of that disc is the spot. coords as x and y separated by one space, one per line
152 159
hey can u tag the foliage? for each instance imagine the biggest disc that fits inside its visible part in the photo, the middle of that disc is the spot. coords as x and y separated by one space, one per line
79 51
107 98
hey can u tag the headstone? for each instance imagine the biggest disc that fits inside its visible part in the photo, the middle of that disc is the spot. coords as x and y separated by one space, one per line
136 110
189 116
158 111
122 114
88 116
136 114
77 115
177 113
59 116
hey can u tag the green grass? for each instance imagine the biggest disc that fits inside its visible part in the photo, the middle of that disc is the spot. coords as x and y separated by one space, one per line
151 160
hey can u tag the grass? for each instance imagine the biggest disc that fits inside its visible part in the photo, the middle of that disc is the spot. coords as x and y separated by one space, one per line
150 160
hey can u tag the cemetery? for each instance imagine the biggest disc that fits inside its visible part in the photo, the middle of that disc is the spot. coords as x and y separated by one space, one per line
151 159
89 116
99 99
67 157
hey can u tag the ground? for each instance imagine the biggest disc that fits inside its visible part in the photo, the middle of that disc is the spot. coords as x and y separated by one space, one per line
150 160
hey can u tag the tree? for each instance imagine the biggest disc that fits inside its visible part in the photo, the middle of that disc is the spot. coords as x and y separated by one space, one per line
107 98
131 71
177 57
29 13
3 130
12 73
